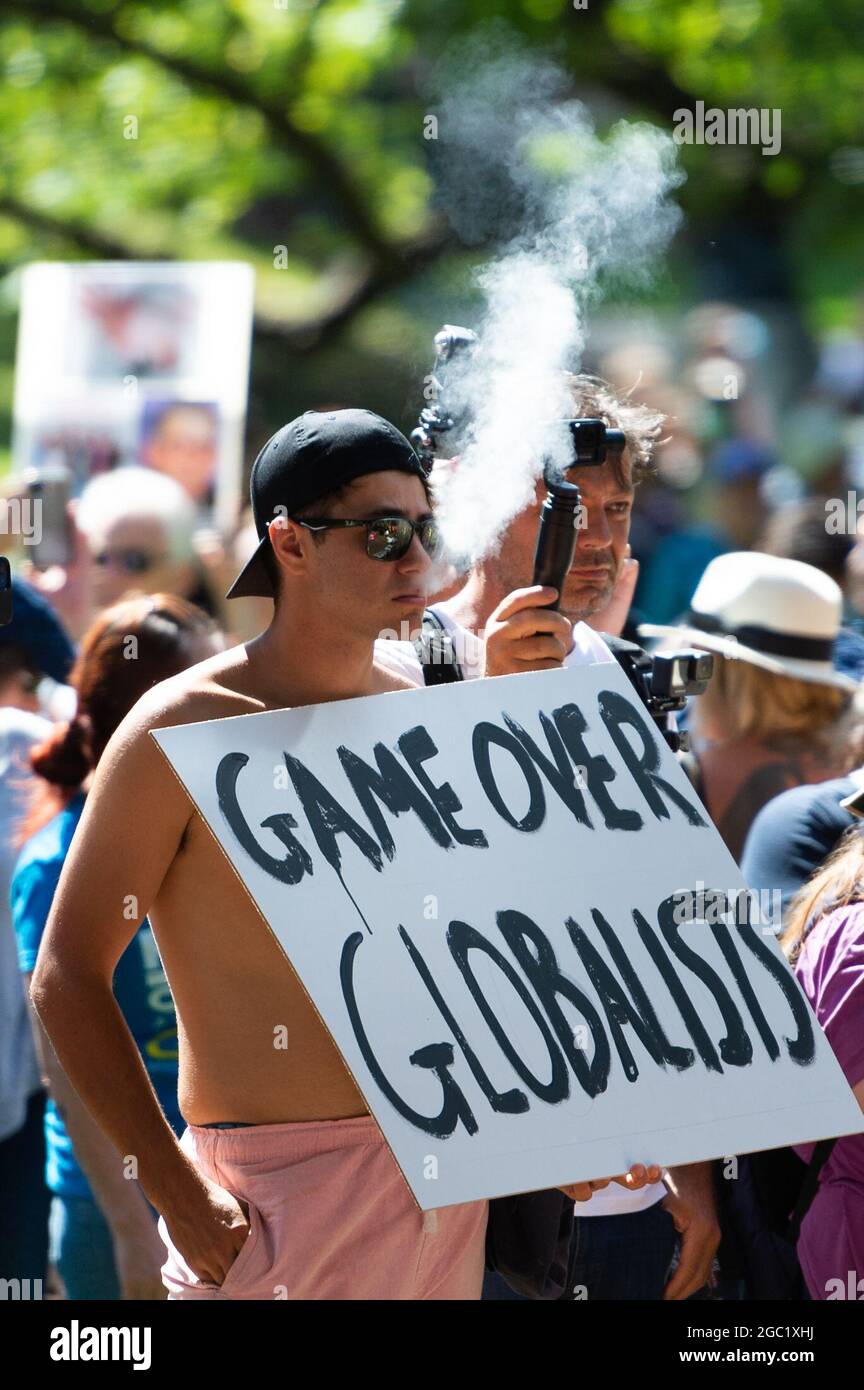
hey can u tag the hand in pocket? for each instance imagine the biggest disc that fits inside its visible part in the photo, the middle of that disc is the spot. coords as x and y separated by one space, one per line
210 1233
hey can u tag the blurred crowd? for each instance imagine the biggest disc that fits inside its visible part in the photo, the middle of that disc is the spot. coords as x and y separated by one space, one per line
746 525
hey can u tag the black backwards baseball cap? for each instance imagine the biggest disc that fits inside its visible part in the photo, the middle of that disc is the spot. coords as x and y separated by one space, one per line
308 458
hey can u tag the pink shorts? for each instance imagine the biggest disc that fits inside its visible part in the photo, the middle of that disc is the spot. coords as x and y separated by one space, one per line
330 1217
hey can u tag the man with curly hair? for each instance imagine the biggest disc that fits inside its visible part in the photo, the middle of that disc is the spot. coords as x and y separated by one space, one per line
497 597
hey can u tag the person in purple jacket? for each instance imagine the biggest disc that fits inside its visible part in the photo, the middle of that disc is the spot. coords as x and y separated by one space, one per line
824 941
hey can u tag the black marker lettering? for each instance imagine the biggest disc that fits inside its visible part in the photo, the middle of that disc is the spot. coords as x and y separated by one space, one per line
571 725
721 935
545 978
801 1048
693 1023
679 1057
616 712
416 746
513 1102
462 938
736 1049
396 789
435 1057
327 818
616 1006
559 770
297 861
485 735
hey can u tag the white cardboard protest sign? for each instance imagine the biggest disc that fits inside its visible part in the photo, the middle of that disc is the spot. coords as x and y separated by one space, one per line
484 889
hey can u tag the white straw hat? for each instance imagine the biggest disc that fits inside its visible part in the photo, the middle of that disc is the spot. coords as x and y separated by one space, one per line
779 614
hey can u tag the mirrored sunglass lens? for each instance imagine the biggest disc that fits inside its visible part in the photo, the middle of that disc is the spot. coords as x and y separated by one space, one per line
388 540
430 539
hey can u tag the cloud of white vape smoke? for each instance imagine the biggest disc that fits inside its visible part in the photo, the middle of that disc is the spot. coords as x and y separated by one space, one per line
518 160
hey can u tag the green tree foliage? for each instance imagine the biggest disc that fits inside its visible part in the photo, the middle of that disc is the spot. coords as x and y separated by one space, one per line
290 133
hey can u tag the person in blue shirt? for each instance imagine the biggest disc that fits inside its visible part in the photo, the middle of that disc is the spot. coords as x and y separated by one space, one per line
36 656
103 1232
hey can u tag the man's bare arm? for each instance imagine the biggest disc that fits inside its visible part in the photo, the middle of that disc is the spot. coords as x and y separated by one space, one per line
138 1250
130 831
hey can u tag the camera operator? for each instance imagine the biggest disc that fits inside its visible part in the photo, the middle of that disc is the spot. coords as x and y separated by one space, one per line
600 584
498 625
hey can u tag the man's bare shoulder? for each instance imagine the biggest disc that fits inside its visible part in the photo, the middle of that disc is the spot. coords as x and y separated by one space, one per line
212 689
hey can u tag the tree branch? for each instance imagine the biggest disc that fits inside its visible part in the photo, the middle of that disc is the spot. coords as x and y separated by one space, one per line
87 239
323 165
377 279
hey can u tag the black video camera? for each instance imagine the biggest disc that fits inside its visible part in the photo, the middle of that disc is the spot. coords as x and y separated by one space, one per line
447 410
664 682
593 441
561 514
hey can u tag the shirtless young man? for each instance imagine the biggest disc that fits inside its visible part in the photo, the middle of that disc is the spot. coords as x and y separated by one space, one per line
281 1162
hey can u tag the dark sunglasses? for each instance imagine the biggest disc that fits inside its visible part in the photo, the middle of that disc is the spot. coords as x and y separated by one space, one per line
387 537
132 561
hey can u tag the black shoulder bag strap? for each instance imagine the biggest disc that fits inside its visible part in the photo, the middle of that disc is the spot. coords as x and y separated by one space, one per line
434 647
